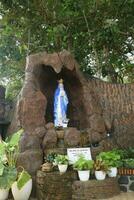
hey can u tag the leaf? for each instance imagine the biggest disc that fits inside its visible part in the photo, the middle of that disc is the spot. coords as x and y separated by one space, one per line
14 141
23 179
1 169
8 177
2 148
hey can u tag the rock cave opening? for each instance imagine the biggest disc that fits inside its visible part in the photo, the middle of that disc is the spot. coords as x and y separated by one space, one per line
48 81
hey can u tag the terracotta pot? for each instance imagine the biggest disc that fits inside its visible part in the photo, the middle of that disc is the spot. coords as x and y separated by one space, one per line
24 192
4 194
84 175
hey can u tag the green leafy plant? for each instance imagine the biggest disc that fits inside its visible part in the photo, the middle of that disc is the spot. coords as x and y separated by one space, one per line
7 177
11 146
111 158
61 159
128 153
50 158
128 163
83 164
8 157
100 165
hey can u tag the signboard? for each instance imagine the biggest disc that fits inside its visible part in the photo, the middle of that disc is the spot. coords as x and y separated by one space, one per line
74 153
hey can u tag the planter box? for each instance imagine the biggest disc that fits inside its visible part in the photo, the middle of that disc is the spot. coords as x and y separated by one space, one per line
125 171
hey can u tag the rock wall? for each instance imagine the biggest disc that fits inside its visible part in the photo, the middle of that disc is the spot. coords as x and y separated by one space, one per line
94 189
126 183
55 186
117 103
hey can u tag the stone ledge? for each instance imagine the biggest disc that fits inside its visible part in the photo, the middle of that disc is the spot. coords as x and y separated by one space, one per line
53 186
94 189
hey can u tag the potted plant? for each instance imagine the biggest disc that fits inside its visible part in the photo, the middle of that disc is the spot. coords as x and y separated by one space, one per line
127 162
127 167
100 169
7 177
9 150
113 160
8 158
62 162
22 187
83 167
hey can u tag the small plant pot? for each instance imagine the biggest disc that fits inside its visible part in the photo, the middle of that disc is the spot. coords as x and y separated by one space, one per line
47 167
84 175
112 172
100 175
62 168
24 192
4 194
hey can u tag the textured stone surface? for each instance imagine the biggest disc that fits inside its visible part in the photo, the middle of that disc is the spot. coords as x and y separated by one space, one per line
94 136
33 110
72 137
50 139
132 178
97 123
40 132
123 180
55 150
123 188
94 189
126 183
31 160
131 187
29 142
50 125
53 186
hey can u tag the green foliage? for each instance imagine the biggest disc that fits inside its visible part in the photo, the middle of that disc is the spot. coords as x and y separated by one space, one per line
128 163
23 178
100 165
12 147
61 159
126 153
98 33
13 88
8 157
51 157
129 153
83 164
111 158
8 176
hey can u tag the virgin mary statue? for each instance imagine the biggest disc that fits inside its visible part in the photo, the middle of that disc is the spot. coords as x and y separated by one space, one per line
60 106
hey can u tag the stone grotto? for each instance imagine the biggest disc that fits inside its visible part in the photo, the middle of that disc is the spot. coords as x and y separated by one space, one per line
100 114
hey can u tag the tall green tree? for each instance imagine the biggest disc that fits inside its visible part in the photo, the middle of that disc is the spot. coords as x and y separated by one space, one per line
100 33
